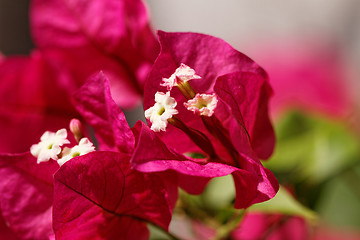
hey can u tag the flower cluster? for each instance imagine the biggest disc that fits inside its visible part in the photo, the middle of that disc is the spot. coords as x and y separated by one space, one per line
221 125
50 147
207 114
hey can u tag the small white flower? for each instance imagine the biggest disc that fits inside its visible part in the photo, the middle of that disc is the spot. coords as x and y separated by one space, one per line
84 147
49 145
203 104
163 109
182 74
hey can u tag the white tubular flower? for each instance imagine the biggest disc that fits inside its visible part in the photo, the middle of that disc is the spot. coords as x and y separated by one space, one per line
163 109
49 145
84 147
181 75
203 104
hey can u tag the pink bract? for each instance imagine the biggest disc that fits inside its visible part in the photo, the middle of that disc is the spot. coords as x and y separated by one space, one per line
150 154
93 100
253 184
89 36
34 97
212 58
99 196
26 196
240 132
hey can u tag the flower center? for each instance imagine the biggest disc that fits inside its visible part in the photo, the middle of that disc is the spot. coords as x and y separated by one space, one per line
202 104
161 111
75 154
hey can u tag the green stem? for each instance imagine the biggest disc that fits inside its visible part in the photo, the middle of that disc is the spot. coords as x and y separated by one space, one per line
352 179
170 235
224 231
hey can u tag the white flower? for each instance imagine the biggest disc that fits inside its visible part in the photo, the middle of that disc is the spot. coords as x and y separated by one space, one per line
84 147
203 104
163 109
49 145
181 75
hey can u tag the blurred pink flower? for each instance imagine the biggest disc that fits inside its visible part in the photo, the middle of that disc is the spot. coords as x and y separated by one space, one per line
88 36
75 39
327 232
34 97
256 226
309 75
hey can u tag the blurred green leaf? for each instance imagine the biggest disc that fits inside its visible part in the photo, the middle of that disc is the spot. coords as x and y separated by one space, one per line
286 204
157 234
219 193
339 203
312 148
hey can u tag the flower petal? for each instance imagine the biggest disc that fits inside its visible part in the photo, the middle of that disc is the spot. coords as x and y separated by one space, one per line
109 35
248 95
26 195
253 184
93 100
99 196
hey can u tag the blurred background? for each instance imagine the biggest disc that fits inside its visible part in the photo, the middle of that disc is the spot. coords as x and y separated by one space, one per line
311 51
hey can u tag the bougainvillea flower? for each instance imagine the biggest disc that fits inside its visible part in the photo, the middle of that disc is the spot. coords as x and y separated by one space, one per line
271 226
49 146
26 196
34 98
150 153
231 139
204 104
163 109
181 75
84 147
99 196
88 36
240 84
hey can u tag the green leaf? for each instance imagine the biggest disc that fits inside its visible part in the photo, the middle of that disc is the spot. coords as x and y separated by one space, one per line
312 149
286 204
339 201
219 193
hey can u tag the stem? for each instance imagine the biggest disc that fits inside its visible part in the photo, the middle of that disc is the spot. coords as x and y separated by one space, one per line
170 235
352 179
189 89
186 90
224 231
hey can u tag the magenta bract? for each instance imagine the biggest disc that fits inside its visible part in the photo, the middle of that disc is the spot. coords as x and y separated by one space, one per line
26 195
93 100
99 196
240 130
235 77
35 97
89 36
